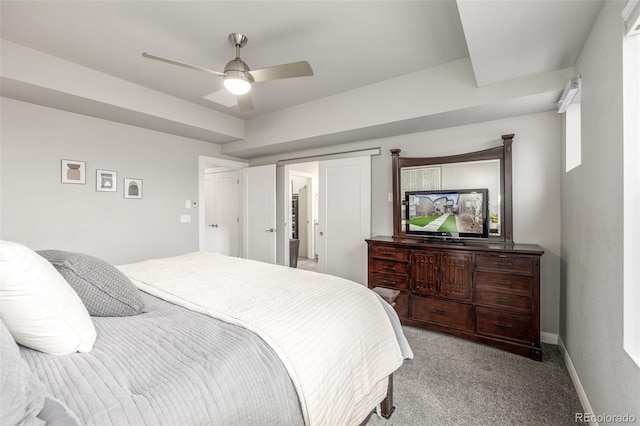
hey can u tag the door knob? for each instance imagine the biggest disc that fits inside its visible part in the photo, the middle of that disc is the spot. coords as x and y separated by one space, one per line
269 230
213 225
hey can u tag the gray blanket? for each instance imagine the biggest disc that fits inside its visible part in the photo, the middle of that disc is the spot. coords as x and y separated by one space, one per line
171 366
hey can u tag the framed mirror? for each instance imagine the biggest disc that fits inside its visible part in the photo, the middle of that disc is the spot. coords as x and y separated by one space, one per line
489 169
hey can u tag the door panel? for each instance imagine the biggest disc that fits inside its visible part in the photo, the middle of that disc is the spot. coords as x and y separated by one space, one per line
222 213
424 272
259 213
344 217
456 276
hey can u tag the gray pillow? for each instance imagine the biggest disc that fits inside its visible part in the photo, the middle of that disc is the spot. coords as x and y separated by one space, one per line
22 394
104 289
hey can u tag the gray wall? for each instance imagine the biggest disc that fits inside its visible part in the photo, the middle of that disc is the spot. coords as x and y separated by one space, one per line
592 244
536 183
39 211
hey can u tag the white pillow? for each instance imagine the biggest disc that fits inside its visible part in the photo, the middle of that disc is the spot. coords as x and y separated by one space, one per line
38 306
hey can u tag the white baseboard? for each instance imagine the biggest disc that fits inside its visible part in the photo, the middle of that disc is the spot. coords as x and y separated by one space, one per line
584 401
551 338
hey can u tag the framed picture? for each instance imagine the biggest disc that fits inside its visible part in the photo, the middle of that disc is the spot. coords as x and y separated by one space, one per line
73 172
106 181
132 188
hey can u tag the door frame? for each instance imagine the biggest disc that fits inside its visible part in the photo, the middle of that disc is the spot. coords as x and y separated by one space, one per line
204 163
286 235
281 218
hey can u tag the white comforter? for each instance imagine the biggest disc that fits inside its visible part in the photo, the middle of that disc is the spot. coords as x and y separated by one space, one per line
332 335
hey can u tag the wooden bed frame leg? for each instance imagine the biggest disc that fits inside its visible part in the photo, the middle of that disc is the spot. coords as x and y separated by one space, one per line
386 406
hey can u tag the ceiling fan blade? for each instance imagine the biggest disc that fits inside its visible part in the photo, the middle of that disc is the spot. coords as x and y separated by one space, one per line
293 69
244 102
182 64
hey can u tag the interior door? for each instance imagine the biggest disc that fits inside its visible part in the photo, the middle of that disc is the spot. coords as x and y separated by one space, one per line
344 217
222 213
259 213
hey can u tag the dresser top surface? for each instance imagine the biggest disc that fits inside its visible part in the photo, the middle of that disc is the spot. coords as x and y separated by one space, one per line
455 244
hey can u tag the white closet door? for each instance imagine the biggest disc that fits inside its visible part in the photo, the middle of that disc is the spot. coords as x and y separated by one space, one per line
222 213
344 217
259 213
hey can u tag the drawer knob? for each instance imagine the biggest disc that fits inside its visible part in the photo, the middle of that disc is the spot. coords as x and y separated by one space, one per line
389 268
502 263
502 300
439 312
388 282
388 253
505 282
502 324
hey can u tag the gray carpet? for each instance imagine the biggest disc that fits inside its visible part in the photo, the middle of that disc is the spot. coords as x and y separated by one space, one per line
452 381
308 264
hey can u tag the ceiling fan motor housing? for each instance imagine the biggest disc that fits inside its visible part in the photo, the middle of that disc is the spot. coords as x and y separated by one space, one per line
237 68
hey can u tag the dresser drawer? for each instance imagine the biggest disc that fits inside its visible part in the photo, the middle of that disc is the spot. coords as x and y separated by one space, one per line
505 263
389 253
384 267
450 314
504 324
391 281
506 282
512 302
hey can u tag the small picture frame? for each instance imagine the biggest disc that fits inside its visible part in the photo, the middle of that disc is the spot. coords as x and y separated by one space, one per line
132 188
106 180
72 171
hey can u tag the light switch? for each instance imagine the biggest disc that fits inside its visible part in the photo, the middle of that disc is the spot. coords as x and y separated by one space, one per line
187 204
390 197
185 218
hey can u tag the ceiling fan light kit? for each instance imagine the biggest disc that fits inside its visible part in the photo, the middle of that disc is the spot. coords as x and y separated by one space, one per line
237 85
238 77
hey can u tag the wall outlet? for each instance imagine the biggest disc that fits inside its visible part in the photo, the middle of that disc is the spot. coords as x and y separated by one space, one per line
185 218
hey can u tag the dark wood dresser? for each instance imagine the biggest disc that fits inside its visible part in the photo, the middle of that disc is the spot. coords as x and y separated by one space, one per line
486 292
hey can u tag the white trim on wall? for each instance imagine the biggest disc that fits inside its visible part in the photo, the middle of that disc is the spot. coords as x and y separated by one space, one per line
551 338
582 395
332 156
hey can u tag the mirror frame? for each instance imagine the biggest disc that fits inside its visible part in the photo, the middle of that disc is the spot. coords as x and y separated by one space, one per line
502 153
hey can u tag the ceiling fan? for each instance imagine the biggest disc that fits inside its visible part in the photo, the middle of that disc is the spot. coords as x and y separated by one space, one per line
238 77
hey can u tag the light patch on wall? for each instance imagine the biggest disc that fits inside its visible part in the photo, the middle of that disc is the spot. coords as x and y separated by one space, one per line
573 137
631 158
222 97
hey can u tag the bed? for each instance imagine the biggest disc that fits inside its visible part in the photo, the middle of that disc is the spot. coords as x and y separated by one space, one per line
217 340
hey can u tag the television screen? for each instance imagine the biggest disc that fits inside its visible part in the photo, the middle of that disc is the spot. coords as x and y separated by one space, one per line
450 213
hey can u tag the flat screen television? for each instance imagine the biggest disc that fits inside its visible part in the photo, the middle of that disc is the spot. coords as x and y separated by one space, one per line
458 213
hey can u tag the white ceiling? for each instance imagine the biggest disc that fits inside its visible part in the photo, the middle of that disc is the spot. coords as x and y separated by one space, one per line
349 44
